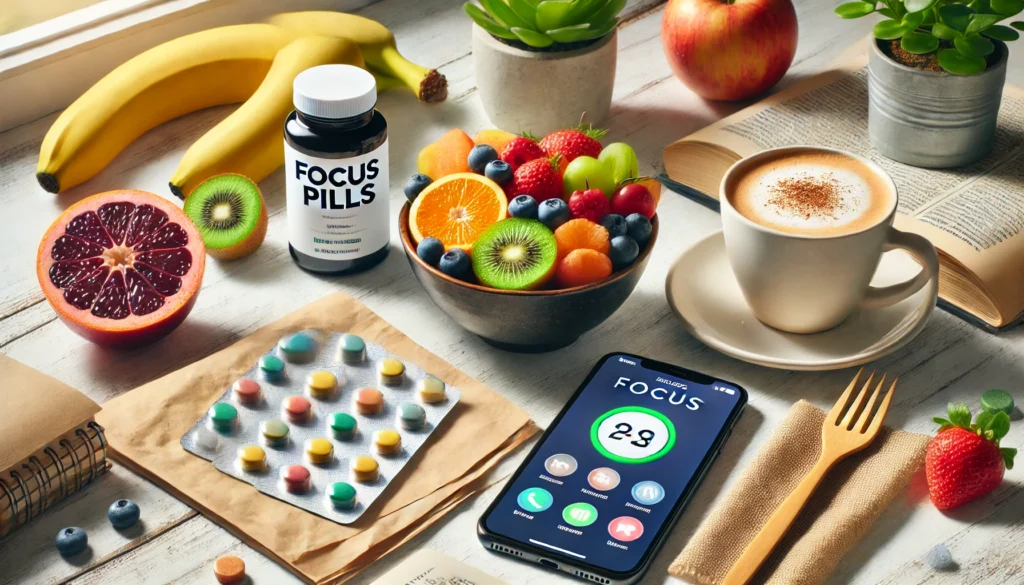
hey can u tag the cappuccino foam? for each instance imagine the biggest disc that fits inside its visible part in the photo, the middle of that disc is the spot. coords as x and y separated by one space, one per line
812 193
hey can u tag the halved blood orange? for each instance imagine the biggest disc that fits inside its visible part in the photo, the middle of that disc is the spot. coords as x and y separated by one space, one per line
121 268
456 209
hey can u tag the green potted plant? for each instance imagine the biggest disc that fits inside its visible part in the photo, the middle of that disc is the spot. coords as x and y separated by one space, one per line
541 64
936 75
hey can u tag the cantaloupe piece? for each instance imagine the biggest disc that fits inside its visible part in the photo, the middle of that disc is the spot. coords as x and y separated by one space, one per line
446 156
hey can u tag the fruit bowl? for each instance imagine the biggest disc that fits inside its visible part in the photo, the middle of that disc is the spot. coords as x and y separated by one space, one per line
525 321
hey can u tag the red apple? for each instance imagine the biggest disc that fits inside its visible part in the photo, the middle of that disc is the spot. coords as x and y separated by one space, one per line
729 49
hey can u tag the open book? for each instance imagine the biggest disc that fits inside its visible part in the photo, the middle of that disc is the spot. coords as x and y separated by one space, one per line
974 215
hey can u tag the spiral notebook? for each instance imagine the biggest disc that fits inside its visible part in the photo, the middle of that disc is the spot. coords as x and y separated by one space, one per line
51 446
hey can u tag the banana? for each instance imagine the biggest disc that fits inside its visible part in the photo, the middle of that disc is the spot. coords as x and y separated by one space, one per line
249 141
377 44
213 67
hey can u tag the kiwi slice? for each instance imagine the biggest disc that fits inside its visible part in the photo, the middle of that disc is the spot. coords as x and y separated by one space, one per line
515 254
230 214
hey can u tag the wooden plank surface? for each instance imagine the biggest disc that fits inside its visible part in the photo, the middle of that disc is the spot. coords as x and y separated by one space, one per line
950 360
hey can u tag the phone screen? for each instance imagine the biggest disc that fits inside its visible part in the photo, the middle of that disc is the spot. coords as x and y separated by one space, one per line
605 480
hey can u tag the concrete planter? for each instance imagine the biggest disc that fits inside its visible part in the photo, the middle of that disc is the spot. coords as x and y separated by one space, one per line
932 120
540 91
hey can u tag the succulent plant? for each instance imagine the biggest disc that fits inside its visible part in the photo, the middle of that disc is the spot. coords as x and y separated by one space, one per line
958 32
541 24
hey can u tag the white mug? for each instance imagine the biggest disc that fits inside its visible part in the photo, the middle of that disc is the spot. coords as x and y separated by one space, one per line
807 284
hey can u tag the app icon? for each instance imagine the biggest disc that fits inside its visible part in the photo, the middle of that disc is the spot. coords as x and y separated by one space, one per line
648 493
633 434
580 514
535 499
561 465
603 479
625 529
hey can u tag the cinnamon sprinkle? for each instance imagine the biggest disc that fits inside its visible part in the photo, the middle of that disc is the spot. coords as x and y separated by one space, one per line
808 196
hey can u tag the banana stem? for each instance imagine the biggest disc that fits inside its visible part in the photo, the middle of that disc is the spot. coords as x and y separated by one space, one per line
429 85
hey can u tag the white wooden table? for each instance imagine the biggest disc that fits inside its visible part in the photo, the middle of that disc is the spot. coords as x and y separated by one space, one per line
949 361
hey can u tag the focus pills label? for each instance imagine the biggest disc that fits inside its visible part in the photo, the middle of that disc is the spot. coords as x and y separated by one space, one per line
338 208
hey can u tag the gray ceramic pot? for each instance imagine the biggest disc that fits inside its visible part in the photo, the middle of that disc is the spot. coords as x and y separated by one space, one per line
525 321
543 91
932 120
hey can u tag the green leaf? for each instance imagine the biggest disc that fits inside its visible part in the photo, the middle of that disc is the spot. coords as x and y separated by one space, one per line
939 420
980 6
959 414
913 19
980 22
532 38
551 14
1008 455
1002 33
582 9
956 16
887 13
952 61
570 34
854 9
601 29
525 9
1007 7
919 5
973 45
984 420
483 21
1000 425
919 43
943 32
1019 25
501 12
888 30
607 12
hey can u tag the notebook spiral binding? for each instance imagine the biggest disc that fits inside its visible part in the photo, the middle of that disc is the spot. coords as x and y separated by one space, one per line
17 488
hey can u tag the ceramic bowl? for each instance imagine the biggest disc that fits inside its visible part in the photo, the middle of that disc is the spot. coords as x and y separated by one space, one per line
525 321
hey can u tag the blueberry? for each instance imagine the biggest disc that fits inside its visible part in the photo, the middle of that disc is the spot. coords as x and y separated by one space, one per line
624 251
71 541
498 171
123 513
639 228
523 206
553 213
430 251
480 156
456 263
615 224
415 185
940 559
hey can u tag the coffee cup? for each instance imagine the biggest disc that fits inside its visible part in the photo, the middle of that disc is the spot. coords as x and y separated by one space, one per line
805 229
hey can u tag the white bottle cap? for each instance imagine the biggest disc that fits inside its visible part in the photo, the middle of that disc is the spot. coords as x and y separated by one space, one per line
334 91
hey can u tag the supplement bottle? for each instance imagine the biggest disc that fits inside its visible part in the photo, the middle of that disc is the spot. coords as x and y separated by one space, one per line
336 172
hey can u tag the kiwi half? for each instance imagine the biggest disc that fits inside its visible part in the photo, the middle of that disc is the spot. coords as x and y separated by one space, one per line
230 214
515 254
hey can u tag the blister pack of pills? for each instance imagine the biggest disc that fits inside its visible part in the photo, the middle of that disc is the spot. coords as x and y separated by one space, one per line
324 422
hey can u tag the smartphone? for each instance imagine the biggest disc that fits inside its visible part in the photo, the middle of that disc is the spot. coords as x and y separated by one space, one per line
599 493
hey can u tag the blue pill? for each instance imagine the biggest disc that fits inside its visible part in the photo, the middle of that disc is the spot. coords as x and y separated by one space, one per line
297 347
71 541
353 349
123 513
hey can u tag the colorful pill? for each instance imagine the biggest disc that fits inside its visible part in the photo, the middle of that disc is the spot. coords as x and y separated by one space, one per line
411 416
297 348
342 425
321 384
223 417
295 479
388 442
365 469
353 349
229 569
392 372
247 391
319 451
296 409
431 389
252 458
271 367
274 433
342 495
369 401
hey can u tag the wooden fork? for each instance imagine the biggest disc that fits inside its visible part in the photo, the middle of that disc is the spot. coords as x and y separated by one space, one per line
838 440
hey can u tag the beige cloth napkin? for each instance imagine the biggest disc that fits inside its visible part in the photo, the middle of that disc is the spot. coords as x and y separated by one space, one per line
852 496
144 428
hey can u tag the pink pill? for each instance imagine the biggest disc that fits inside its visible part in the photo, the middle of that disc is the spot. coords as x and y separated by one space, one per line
296 408
247 391
295 478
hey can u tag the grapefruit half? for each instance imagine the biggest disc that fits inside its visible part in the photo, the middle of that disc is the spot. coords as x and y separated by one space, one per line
121 268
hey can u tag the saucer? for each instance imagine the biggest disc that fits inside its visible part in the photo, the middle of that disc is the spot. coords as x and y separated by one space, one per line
704 294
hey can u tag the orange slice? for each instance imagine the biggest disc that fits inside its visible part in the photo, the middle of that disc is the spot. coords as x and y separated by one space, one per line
456 209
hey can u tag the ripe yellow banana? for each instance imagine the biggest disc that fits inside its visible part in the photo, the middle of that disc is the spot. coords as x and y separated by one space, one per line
213 67
377 44
250 141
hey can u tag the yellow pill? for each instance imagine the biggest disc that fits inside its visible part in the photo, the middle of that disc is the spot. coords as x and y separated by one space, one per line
391 371
319 450
365 468
431 389
388 442
252 458
321 383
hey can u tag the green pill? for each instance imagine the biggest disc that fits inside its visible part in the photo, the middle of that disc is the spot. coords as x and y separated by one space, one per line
411 416
353 349
271 367
342 495
997 401
342 425
223 417
297 348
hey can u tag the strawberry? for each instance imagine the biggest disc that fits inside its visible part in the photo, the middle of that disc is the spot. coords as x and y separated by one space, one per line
539 179
574 142
520 151
964 460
